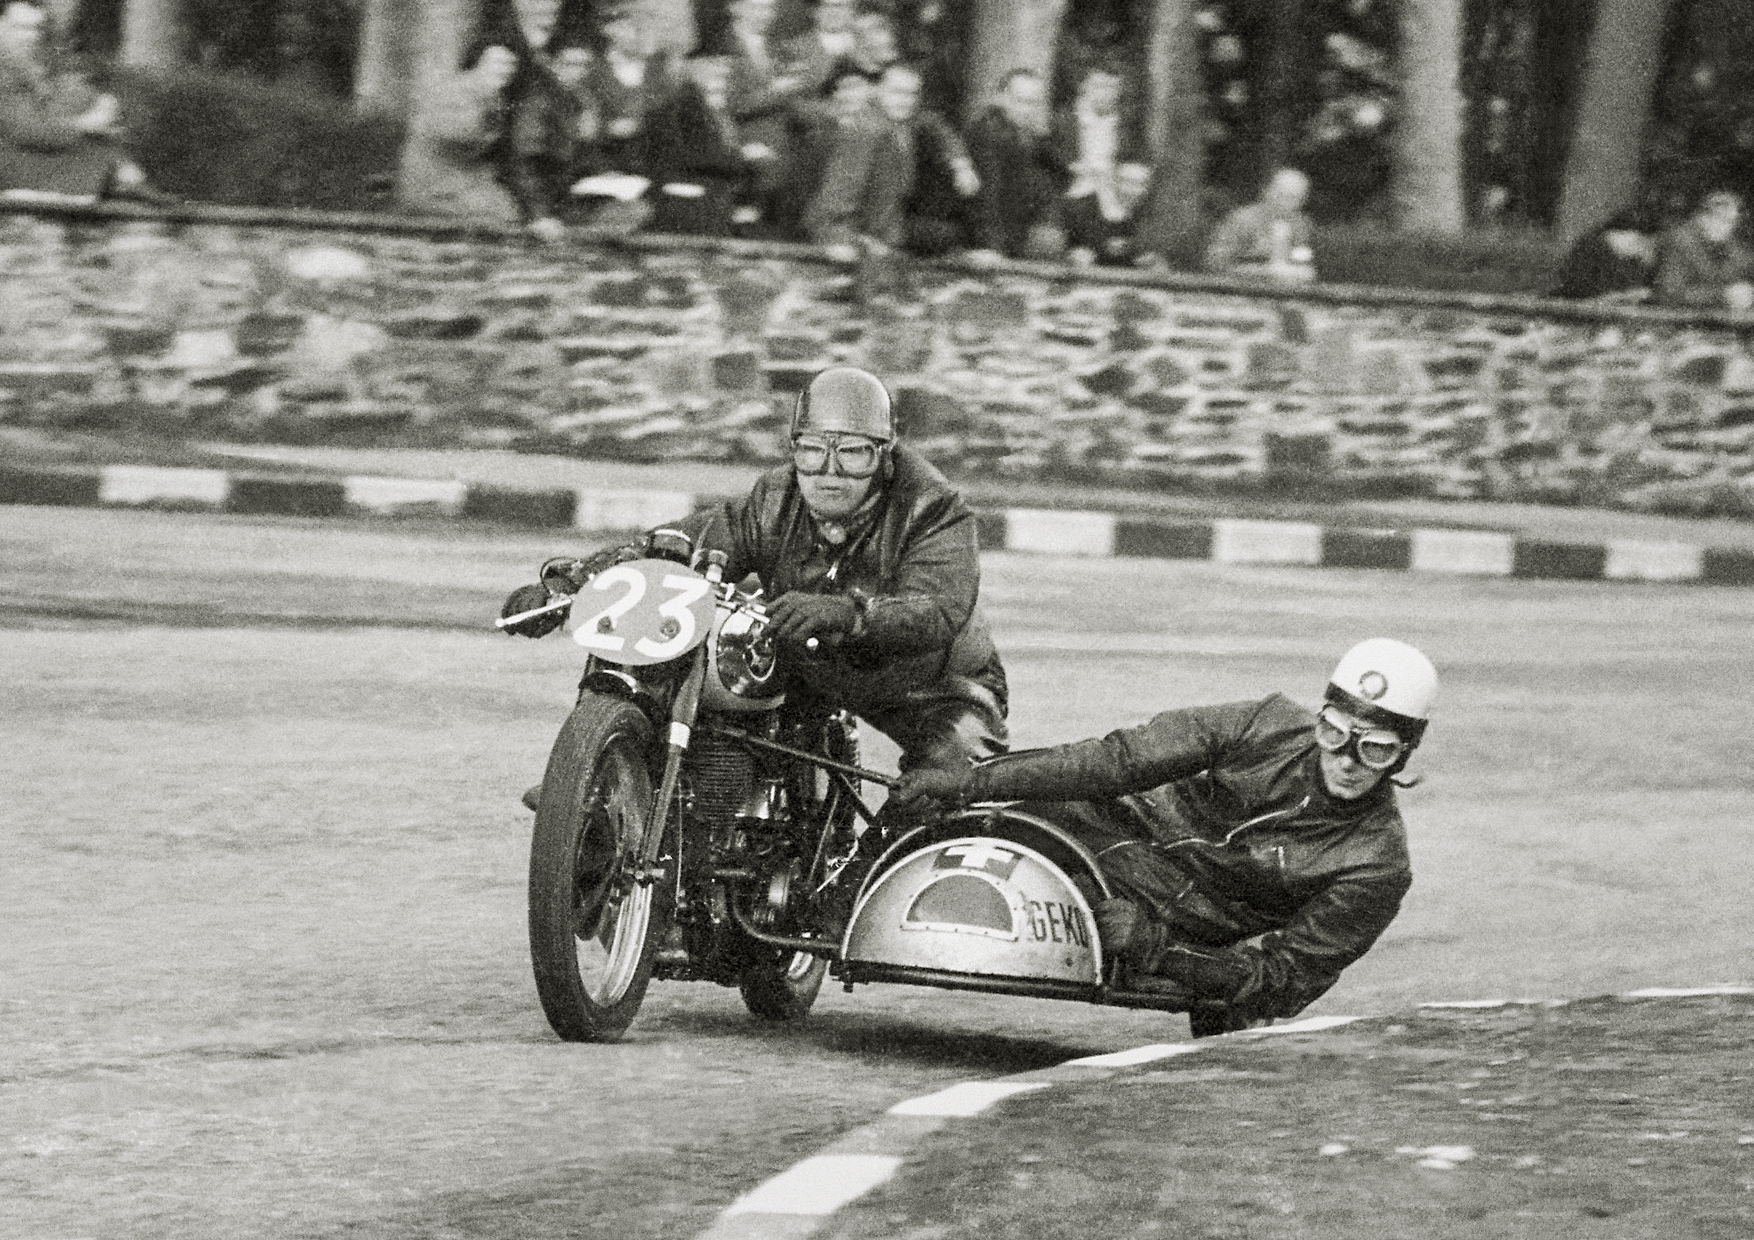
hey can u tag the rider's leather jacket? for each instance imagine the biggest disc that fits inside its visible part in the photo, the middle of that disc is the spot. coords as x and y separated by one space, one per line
1217 819
909 559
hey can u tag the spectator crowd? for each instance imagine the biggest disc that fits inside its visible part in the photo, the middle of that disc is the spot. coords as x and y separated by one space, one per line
835 135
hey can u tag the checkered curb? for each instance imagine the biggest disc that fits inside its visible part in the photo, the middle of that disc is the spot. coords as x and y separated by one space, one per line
800 1200
1483 553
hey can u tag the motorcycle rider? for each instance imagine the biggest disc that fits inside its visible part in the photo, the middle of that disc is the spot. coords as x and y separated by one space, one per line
863 546
1215 824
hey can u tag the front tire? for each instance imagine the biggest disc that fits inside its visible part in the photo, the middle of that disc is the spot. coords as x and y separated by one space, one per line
783 989
593 929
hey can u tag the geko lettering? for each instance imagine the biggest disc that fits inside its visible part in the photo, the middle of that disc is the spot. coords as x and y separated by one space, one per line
1053 921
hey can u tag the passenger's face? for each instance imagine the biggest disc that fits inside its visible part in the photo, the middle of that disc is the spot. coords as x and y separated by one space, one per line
1344 776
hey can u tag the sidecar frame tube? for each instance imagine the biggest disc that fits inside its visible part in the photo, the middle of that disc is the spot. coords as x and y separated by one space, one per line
854 973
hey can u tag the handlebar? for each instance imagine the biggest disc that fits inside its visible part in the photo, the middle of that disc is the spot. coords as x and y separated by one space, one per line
562 601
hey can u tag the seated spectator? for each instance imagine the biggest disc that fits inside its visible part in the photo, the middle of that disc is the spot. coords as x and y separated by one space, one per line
897 180
843 103
815 56
1022 178
57 136
1613 262
1268 239
762 96
448 165
701 167
547 118
623 83
939 210
1105 231
1092 138
875 45
1701 263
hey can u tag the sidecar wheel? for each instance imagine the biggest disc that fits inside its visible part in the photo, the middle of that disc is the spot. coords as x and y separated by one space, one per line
593 930
783 988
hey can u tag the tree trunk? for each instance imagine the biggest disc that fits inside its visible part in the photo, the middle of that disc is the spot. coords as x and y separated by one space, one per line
435 46
1006 35
1620 73
1283 84
382 79
1428 138
1177 106
152 32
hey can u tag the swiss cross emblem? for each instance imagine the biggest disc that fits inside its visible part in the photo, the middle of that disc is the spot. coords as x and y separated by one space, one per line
989 858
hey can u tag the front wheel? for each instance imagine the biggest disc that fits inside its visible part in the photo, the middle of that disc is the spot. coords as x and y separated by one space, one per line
783 988
593 932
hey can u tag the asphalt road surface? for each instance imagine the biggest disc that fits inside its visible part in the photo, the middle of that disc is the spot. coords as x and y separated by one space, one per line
263 969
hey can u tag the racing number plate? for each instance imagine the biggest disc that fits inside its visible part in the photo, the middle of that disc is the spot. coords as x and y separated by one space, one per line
647 611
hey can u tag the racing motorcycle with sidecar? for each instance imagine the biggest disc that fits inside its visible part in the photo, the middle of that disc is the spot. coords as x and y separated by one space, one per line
690 827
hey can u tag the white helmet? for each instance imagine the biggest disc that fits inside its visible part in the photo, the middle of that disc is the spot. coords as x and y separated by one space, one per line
1388 683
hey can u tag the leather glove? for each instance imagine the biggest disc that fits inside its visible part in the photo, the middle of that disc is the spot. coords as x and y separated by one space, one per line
566 575
528 598
797 616
928 783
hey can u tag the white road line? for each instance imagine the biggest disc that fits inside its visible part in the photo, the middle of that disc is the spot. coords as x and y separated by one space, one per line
817 1186
966 1099
1139 1054
1670 992
1313 1024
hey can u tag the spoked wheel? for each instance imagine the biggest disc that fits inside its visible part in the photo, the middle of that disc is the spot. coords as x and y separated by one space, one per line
593 929
785 987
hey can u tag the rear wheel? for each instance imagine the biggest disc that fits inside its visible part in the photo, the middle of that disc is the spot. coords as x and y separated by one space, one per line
785 987
593 928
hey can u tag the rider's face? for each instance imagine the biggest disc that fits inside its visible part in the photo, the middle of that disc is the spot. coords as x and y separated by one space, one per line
1345 777
833 496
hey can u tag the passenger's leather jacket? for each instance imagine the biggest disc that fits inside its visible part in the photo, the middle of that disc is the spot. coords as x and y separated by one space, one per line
1231 797
909 559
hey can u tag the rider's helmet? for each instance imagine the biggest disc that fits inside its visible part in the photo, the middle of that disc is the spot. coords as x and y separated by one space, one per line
1388 683
845 400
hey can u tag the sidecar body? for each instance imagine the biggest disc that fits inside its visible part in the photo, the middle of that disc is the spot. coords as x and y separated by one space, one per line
990 899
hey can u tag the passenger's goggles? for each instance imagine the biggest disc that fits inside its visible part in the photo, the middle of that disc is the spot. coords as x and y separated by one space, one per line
853 456
1376 748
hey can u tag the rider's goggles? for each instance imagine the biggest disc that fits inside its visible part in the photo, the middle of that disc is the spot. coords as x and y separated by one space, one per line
1376 748
853 456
